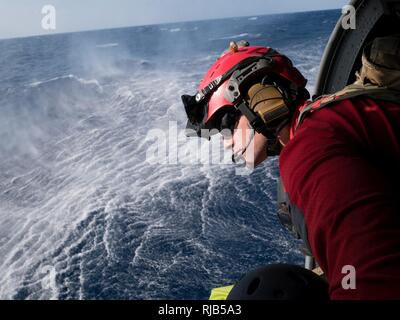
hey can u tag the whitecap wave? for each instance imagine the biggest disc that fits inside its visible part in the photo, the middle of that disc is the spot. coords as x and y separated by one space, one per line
176 30
72 77
240 36
107 45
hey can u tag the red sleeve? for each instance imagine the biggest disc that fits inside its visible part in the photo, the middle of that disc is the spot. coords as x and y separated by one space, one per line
341 170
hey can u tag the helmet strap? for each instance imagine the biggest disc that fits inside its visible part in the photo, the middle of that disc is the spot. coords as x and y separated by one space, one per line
255 120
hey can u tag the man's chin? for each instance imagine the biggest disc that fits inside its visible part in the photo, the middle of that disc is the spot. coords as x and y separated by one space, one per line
256 161
257 153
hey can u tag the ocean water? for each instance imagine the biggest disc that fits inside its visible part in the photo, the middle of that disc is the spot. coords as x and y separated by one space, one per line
83 215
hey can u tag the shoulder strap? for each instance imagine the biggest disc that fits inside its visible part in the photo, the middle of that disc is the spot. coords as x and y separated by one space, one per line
350 92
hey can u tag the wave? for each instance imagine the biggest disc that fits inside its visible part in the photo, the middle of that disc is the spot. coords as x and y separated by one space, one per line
33 115
253 18
107 45
175 30
240 36
68 77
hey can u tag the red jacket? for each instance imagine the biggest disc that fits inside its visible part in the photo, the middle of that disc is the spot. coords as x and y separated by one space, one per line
341 169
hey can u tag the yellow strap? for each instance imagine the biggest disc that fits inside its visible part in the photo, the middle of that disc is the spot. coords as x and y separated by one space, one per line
318 271
220 293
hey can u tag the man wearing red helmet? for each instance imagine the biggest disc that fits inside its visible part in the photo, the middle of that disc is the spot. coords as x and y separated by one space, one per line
339 155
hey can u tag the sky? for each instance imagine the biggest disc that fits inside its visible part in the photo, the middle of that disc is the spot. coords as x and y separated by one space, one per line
21 18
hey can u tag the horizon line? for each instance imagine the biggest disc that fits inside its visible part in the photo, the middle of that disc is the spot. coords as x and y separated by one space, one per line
158 23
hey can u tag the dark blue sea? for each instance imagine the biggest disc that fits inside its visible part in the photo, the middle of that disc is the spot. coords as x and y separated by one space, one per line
83 213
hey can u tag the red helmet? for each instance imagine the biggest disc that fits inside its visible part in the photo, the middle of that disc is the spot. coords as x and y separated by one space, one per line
213 99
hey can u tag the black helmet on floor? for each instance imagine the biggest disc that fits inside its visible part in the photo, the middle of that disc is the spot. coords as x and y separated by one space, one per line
281 282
